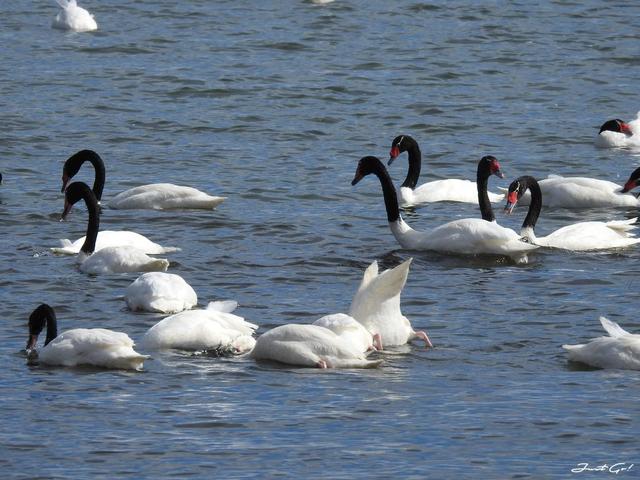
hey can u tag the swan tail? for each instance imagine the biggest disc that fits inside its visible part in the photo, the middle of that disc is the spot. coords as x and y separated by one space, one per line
64 248
155 265
612 328
225 306
391 282
66 3
369 274
171 249
623 226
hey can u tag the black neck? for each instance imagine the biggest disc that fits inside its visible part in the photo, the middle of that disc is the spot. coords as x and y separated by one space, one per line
75 162
52 326
94 222
415 162
388 191
482 181
536 201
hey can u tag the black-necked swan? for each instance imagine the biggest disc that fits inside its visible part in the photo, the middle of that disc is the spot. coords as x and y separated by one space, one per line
448 190
632 182
160 292
155 196
106 238
108 259
582 192
73 17
310 346
81 346
214 329
582 236
620 349
616 133
376 305
463 236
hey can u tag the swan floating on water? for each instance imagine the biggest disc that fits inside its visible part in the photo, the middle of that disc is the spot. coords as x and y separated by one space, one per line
617 133
155 196
160 292
110 258
620 349
582 236
463 236
213 329
448 190
81 346
73 17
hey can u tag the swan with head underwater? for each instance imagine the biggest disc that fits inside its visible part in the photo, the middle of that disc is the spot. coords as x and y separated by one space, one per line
73 17
582 236
108 259
620 349
155 196
448 190
97 347
343 341
462 236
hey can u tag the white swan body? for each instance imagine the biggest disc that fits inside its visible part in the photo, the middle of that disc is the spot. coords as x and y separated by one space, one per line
448 190
464 236
620 349
309 346
75 18
581 192
117 238
376 305
349 329
215 328
620 134
587 236
120 260
164 196
160 292
92 346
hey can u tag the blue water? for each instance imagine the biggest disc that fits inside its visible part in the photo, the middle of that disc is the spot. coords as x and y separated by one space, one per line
272 104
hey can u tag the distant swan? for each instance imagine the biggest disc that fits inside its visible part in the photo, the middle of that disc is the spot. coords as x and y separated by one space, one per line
620 349
615 133
73 17
110 259
463 236
580 236
214 329
160 292
448 190
376 305
155 196
81 346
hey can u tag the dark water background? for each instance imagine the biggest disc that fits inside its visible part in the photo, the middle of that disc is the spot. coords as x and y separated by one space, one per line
272 104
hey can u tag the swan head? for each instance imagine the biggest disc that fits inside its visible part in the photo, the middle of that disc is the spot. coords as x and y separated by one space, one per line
616 125
515 192
491 165
42 316
75 192
74 162
367 165
400 144
633 181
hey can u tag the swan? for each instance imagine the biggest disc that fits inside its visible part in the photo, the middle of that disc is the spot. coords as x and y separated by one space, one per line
109 259
620 349
107 238
351 330
449 190
463 236
160 292
212 329
156 196
376 305
310 346
580 236
614 133
75 18
632 182
81 346
581 192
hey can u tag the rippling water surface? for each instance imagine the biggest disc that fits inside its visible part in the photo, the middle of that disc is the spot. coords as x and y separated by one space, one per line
271 104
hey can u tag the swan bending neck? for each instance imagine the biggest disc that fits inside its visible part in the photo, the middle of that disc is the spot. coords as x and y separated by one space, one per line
415 162
482 182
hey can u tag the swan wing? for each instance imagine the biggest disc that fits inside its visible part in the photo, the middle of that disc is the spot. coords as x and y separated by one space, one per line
450 190
608 352
121 260
160 196
160 292
586 236
612 328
